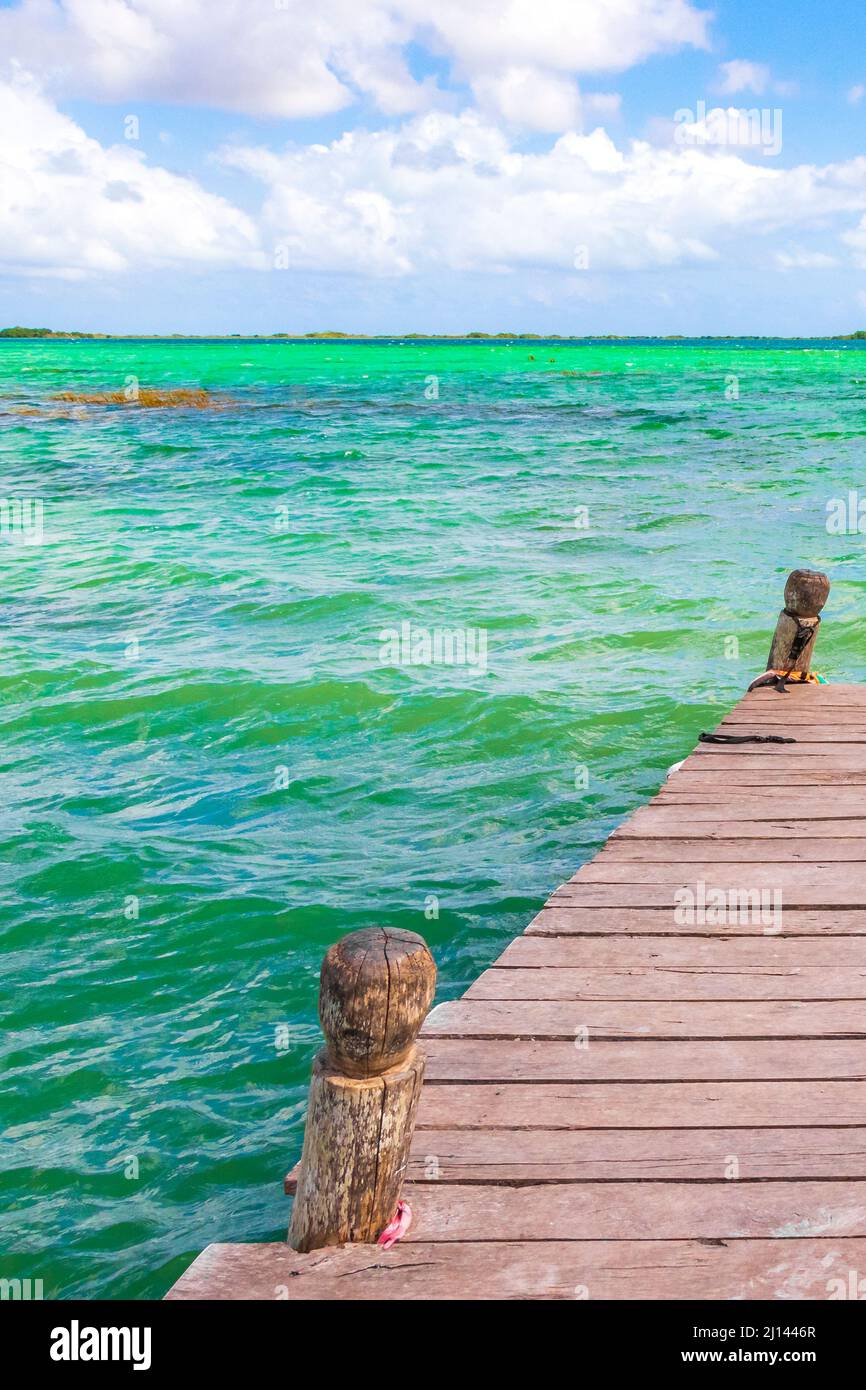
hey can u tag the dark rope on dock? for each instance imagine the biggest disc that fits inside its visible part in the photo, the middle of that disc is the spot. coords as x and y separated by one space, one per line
805 633
744 738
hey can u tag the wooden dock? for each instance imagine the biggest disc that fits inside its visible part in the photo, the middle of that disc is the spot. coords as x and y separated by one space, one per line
658 1091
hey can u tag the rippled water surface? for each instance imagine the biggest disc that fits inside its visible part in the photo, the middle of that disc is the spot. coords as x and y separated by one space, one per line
209 773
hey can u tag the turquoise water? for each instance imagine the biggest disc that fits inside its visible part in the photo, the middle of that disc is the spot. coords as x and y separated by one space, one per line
210 773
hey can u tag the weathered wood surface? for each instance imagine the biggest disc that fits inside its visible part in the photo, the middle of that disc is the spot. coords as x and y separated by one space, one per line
376 987
730 851
634 1211
627 1105
550 1269
571 920
356 1152
797 628
687 951
521 1106
821 892
648 1060
607 1019
583 1155
596 1081
689 983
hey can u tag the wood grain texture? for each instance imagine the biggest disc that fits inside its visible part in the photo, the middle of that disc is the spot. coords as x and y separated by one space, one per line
356 1148
763 802
823 891
669 823
647 1019
681 983
510 1270
568 919
684 950
691 850
832 877
585 1155
501 1059
732 1210
376 987
518 1106
375 990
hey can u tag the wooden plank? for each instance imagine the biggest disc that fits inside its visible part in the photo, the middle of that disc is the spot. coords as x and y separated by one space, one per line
565 919
726 851
801 756
641 1211
830 877
806 733
810 728
762 803
843 713
585 1155
606 1155
724 951
509 1059
646 1019
660 822
722 781
518 1106
806 695
826 895
417 1270
671 982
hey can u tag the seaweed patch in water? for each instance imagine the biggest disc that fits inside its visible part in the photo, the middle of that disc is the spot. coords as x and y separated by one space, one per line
191 397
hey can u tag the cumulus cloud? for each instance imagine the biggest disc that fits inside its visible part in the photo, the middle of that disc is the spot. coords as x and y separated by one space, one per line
742 76
561 35
439 192
71 206
293 58
453 192
531 98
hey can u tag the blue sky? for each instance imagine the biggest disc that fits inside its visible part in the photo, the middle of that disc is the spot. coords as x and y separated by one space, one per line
380 166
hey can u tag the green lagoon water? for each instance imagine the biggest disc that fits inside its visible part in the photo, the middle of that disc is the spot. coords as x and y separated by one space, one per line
198 726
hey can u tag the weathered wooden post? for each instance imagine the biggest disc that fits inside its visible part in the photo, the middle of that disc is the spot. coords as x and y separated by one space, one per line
797 628
376 988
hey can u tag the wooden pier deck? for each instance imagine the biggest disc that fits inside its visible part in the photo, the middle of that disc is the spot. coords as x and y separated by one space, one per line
632 1105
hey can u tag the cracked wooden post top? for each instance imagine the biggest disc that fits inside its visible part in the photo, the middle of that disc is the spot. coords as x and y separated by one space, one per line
806 593
376 989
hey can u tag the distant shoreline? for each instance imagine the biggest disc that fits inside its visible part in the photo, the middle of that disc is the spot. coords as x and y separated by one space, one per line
17 335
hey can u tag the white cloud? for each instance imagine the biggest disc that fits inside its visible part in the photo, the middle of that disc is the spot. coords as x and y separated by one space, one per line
298 58
560 35
856 239
71 206
530 98
856 94
740 75
451 192
797 258
439 192
743 76
605 105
